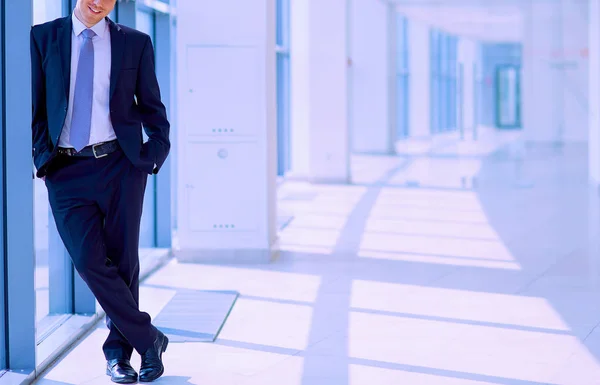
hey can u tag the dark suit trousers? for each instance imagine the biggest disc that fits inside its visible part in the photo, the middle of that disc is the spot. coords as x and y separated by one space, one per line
97 206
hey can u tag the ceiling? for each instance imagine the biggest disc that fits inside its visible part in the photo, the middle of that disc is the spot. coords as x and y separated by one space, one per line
488 20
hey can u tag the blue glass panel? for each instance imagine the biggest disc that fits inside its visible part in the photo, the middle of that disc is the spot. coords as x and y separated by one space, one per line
433 80
283 127
283 87
52 263
144 22
494 55
402 91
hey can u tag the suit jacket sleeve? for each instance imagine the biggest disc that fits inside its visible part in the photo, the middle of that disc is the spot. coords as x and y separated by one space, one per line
153 112
39 122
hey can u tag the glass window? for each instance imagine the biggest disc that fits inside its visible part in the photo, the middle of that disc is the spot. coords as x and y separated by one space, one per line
145 22
444 86
283 87
49 250
507 97
46 10
402 90
434 39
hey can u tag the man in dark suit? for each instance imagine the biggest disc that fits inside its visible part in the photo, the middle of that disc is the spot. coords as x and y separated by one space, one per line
94 88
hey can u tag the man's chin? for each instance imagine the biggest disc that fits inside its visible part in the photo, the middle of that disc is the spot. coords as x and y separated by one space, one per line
91 16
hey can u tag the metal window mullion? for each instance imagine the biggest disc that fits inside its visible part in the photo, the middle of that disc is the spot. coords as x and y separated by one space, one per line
61 273
3 267
18 186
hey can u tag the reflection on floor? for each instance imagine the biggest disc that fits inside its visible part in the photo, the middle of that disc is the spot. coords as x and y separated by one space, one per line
384 283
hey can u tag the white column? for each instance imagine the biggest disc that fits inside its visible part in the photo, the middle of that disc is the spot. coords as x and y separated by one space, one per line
594 92
420 79
467 57
555 72
319 90
372 131
227 130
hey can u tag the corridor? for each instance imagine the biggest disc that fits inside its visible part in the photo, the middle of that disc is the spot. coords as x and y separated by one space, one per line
411 275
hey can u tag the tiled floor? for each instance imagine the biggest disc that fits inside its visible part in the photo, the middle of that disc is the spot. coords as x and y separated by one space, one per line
432 282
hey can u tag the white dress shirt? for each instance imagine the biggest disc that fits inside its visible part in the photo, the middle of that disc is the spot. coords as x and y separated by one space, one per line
101 129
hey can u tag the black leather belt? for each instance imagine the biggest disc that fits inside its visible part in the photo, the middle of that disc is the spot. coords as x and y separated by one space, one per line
99 150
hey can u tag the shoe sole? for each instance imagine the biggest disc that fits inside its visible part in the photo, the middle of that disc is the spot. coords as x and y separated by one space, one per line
164 349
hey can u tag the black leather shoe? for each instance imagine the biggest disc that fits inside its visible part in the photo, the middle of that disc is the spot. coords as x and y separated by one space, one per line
121 371
152 366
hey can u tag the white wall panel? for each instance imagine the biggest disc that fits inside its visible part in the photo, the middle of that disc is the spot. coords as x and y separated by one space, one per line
320 92
227 129
223 83
221 191
555 72
371 51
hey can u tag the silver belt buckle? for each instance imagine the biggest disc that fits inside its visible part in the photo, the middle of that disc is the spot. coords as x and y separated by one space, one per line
94 151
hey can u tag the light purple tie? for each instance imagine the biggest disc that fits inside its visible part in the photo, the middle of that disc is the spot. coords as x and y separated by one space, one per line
84 93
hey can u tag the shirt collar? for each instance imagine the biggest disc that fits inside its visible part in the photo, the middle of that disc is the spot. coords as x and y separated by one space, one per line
78 27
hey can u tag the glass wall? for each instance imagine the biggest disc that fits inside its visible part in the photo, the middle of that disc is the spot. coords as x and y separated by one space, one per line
283 86
451 79
495 56
145 22
434 55
444 81
402 78
49 250
508 92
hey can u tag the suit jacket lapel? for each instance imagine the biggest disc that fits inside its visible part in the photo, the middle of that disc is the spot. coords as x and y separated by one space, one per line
117 43
65 31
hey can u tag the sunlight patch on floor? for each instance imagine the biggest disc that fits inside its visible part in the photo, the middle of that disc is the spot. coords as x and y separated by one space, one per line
318 222
436 246
448 346
368 375
268 323
435 227
430 198
438 260
294 238
473 306
153 300
252 282
431 227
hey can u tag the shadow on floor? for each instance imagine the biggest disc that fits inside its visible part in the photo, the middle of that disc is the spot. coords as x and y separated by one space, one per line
417 316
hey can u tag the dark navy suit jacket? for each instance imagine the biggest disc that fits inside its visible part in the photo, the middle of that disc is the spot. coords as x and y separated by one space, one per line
134 94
